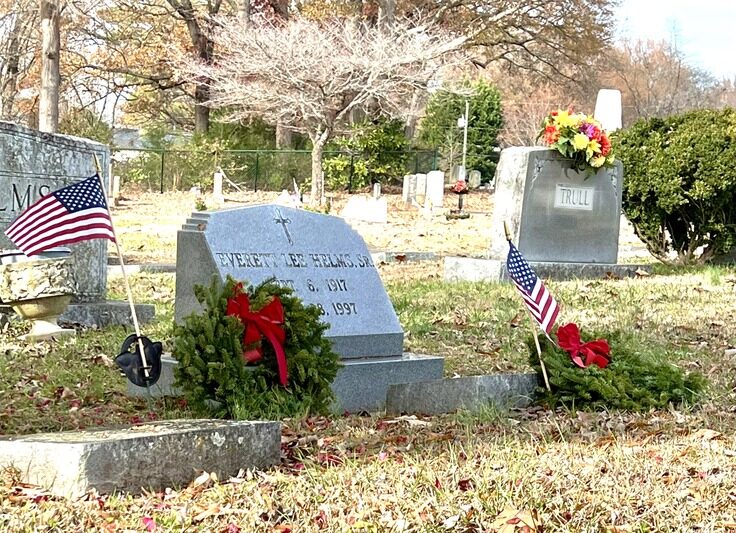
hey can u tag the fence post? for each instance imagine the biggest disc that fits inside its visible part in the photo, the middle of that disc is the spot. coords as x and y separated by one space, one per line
255 181
161 172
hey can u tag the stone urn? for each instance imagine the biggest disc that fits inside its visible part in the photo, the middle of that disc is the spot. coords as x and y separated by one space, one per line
38 288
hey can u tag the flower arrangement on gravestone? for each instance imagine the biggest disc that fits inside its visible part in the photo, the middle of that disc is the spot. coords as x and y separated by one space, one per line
578 137
254 352
617 373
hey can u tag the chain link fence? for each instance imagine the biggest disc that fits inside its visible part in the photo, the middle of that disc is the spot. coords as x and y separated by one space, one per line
256 170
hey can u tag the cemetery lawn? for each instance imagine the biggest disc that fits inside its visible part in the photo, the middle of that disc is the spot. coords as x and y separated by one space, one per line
562 470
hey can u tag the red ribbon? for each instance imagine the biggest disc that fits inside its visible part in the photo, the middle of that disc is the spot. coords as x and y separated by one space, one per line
596 352
268 322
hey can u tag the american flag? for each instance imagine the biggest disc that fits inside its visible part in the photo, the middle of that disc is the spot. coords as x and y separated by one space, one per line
538 299
74 213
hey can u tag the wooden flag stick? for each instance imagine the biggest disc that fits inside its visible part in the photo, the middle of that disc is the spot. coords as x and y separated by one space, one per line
125 279
532 324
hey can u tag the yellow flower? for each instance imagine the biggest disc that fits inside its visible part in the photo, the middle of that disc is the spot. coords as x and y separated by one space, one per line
580 141
594 146
564 119
597 162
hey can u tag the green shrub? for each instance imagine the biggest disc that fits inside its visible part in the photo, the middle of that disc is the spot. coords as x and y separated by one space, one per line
214 378
376 153
680 184
634 380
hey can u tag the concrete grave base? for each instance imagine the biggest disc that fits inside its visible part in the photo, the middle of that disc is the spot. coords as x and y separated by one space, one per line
360 385
152 456
447 395
474 269
105 313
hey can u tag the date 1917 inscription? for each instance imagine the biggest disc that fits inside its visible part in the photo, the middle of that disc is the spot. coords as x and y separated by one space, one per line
332 294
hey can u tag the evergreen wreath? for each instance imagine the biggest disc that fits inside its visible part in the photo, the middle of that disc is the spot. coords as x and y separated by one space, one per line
627 379
227 371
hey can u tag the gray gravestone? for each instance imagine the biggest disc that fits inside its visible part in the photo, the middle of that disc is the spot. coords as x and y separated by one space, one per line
555 213
33 164
565 223
327 264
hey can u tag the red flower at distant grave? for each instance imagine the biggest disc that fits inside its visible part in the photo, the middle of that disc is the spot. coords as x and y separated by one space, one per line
595 352
267 322
461 187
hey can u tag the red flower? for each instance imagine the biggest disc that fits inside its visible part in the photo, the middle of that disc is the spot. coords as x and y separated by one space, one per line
551 134
595 352
605 145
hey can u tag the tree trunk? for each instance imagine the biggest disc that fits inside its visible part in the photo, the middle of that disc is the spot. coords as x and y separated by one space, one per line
201 111
283 136
318 182
386 13
48 106
244 13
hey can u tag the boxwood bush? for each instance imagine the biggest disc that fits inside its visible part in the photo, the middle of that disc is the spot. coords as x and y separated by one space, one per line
680 184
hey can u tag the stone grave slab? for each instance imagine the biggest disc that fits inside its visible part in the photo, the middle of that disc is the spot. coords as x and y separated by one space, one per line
327 264
151 456
471 392
33 164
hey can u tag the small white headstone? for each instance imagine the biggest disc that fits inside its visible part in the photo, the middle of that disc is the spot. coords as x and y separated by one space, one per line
420 191
217 188
406 195
474 179
608 109
435 188
376 191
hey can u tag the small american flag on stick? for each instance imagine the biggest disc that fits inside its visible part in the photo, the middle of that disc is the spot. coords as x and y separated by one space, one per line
74 213
538 299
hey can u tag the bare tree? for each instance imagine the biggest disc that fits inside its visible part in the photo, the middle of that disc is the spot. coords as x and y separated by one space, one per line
18 45
311 75
48 106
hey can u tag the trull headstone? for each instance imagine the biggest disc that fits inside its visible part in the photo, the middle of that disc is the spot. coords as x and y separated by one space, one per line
556 214
327 264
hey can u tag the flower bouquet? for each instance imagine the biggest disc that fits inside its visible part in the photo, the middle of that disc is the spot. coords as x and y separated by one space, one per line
578 137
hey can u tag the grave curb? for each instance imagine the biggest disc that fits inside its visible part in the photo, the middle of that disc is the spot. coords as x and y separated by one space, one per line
478 269
470 392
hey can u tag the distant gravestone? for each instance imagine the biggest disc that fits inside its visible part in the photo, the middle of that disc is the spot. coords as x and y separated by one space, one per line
556 214
33 164
366 209
408 189
420 190
474 179
327 264
608 109
435 188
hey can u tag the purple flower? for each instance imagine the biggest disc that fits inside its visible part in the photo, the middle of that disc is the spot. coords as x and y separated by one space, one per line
588 129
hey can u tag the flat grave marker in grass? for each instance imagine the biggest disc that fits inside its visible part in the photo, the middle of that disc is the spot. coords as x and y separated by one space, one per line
151 456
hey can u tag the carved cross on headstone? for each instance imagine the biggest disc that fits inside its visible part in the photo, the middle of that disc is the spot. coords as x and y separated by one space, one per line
284 221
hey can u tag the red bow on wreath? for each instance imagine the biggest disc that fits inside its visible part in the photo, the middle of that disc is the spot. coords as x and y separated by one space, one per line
267 322
595 352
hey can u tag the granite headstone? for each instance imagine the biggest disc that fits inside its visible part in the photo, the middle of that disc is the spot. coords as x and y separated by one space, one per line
33 164
556 213
321 257
328 264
